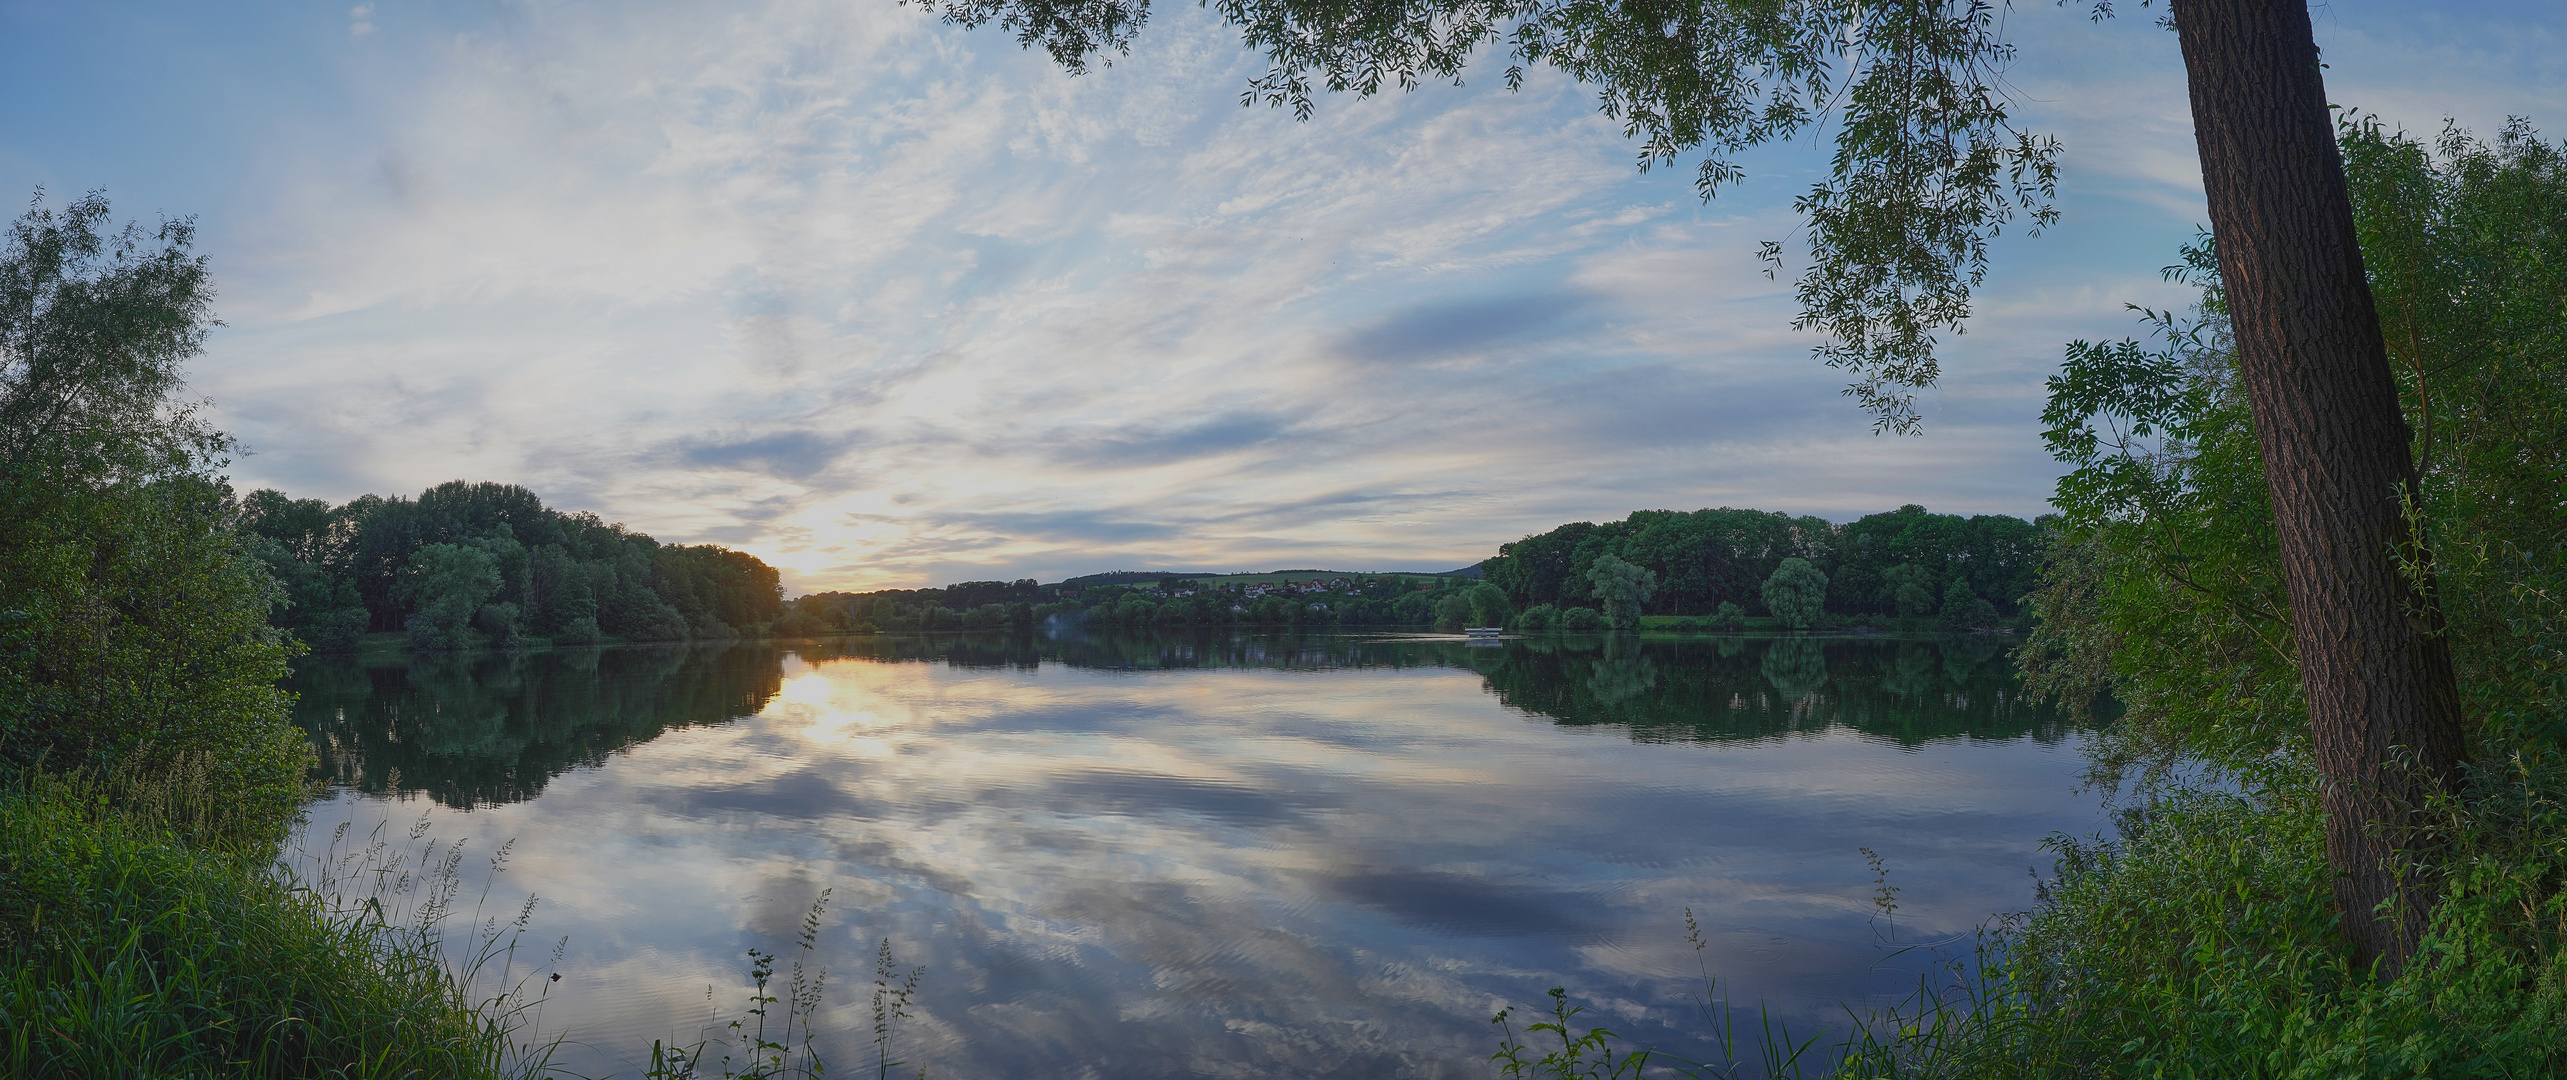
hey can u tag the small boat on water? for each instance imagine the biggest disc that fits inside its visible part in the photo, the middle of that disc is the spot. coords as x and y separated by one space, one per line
1484 631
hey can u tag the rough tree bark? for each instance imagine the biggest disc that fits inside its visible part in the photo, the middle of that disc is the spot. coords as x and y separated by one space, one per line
2384 708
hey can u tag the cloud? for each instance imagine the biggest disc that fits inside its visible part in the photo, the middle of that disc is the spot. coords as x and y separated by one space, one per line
791 455
1464 905
1467 329
1215 436
884 301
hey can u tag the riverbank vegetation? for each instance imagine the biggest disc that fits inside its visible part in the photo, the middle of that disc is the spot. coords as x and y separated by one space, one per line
488 565
2205 938
147 768
1698 571
139 945
469 565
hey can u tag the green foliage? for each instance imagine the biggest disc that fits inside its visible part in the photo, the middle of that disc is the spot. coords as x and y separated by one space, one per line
2202 943
95 328
1623 587
1707 558
2164 589
135 634
2467 244
1452 611
1582 620
1796 593
132 951
1730 616
1910 588
133 618
446 586
1537 618
749 1051
2165 585
1587 1056
466 565
1963 609
1698 561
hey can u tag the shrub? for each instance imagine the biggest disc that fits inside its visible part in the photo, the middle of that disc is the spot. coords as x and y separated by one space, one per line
134 634
133 951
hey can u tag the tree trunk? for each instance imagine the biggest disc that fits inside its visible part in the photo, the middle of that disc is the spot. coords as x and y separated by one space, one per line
2384 709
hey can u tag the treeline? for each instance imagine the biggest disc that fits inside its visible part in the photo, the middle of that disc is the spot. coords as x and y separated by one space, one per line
467 565
1138 600
1724 565
1907 562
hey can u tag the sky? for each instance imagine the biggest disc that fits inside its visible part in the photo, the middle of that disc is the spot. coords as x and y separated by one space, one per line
889 303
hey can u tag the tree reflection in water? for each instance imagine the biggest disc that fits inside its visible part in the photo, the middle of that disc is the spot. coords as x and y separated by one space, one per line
483 729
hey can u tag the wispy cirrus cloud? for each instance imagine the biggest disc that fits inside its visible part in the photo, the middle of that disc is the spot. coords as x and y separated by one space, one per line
889 303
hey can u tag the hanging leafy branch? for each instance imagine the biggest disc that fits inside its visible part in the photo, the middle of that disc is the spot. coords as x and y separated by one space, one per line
1928 166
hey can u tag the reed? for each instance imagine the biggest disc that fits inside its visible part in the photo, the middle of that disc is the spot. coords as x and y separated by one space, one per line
138 943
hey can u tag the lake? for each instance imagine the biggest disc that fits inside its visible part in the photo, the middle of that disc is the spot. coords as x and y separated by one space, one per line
1227 856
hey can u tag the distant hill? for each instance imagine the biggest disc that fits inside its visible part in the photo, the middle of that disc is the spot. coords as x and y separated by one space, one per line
1140 577
1128 577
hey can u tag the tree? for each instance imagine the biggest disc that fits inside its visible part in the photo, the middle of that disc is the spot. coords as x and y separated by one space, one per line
1928 167
2383 700
1796 594
1964 609
1452 611
1489 606
1911 589
133 614
1796 666
447 584
1623 587
2167 588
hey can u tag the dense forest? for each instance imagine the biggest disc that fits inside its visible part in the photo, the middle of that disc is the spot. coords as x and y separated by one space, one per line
488 564
1903 562
1908 563
468 565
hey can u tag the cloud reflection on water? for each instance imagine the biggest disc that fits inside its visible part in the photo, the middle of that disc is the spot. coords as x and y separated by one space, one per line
1262 870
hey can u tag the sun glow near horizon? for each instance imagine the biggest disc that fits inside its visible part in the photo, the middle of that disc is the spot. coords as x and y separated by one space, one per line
892 304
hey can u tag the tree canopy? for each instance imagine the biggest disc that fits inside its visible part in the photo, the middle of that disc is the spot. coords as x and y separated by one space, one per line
133 629
489 563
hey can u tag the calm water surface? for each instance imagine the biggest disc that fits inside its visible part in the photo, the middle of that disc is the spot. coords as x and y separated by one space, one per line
1138 857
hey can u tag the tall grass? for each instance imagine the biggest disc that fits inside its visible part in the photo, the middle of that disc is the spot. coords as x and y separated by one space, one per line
145 935
747 1049
2203 942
